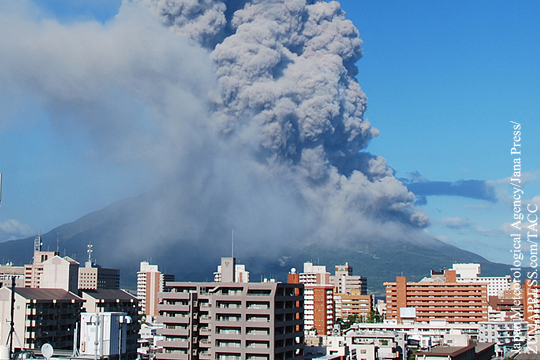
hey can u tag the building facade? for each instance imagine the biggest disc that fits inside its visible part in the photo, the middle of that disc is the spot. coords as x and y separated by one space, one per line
441 298
40 316
505 334
150 281
60 273
116 301
9 271
345 282
470 272
240 272
352 303
99 278
232 321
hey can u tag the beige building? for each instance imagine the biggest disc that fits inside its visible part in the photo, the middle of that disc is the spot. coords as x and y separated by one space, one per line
352 303
40 316
150 281
345 282
232 321
96 277
9 271
34 271
60 273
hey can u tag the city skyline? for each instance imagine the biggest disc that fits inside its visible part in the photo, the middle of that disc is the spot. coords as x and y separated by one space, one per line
443 81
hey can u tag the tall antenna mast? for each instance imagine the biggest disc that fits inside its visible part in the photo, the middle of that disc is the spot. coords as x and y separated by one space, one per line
89 250
232 240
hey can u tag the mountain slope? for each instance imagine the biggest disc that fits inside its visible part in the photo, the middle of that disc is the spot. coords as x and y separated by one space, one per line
122 238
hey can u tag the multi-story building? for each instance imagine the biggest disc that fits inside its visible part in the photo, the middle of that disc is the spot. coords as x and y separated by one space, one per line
505 334
345 282
232 321
240 273
60 273
116 301
40 316
7 272
314 274
318 298
150 281
96 277
471 273
440 298
34 271
352 303
427 334
93 276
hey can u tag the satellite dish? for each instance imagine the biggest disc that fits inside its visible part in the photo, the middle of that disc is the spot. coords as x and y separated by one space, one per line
47 351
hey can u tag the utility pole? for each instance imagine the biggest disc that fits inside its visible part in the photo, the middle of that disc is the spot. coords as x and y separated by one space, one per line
12 325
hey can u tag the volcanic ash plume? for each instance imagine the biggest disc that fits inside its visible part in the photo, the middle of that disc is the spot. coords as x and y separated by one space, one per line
247 113
288 96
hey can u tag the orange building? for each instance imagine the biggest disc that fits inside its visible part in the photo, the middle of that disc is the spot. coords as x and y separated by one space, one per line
438 297
318 301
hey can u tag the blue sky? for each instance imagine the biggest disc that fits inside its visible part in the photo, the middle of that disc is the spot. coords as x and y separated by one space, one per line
443 81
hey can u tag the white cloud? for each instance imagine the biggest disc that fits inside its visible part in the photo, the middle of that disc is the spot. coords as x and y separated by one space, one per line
13 229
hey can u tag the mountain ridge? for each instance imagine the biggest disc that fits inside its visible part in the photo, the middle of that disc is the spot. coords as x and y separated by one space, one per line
117 233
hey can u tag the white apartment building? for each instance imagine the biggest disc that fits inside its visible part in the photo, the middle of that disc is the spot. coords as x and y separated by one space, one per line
318 298
471 273
314 274
506 334
426 333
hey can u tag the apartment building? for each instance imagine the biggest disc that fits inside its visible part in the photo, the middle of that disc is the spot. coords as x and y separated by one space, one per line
352 303
345 282
34 271
470 272
314 274
40 316
231 321
318 298
150 281
60 273
505 334
439 297
9 271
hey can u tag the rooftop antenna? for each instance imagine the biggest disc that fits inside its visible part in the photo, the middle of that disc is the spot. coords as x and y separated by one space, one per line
38 242
232 240
57 244
89 250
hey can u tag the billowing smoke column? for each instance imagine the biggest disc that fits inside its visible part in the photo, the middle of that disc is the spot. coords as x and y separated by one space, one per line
247 115
286 72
